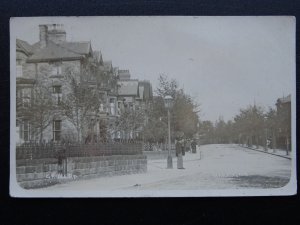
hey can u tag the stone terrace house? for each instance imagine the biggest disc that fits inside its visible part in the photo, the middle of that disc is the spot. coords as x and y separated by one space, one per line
48 61
134 96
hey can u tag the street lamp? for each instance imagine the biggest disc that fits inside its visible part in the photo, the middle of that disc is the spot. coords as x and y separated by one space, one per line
266 133
168 104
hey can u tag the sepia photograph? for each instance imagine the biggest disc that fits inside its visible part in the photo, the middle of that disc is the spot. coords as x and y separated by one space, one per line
152 106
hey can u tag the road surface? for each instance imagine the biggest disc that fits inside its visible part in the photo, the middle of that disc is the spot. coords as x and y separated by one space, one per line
220 167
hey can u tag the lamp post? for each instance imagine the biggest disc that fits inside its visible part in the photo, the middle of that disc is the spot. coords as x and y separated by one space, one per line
266 134
168 104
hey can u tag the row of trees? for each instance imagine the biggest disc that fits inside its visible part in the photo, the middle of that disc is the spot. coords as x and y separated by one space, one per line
252 126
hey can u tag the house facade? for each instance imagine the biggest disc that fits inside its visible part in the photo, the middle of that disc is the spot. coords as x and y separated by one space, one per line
47 64
60 83
134 97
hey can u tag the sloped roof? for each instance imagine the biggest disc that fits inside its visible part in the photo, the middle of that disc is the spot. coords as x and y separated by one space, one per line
36 46
53 52
23 45
128 87
83 47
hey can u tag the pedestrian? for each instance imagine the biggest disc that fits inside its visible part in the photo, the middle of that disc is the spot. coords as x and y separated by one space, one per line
193 145
59 162
179 152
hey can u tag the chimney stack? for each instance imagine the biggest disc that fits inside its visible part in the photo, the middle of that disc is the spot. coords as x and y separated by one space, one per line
56 33
52 32
43 35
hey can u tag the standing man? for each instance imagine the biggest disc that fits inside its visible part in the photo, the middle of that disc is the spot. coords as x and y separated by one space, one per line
193 146
179 152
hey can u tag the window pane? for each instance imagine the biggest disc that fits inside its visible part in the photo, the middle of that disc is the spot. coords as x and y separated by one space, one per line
57 136
57 125
26 125
27 92
58 99
26 136
59 70
57 89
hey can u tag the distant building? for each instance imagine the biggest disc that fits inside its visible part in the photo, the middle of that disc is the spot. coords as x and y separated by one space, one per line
283 106
124 74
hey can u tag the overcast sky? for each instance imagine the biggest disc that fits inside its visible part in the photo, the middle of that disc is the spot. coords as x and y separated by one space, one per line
226 63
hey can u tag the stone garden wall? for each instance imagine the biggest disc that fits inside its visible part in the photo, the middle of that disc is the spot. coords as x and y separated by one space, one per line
154 155
38 173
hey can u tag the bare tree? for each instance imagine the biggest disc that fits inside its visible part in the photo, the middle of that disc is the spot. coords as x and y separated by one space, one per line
80 104
130 121
39 108
166 86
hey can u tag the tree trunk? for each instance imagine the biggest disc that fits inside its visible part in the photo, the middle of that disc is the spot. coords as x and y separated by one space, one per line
78 135
250 141
41 134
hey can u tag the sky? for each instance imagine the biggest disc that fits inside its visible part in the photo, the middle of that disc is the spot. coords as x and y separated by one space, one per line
225 63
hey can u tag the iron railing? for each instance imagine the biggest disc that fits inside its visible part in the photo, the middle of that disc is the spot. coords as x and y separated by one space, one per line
50 150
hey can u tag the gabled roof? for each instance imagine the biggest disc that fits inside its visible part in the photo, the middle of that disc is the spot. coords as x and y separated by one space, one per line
53 52
24 46
147 90
97 55
128 87
108 65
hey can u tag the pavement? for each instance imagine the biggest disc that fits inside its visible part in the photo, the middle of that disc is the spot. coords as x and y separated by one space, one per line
277 152
212 167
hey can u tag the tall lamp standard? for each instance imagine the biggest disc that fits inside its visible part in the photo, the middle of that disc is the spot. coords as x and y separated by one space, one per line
266 133
168 104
